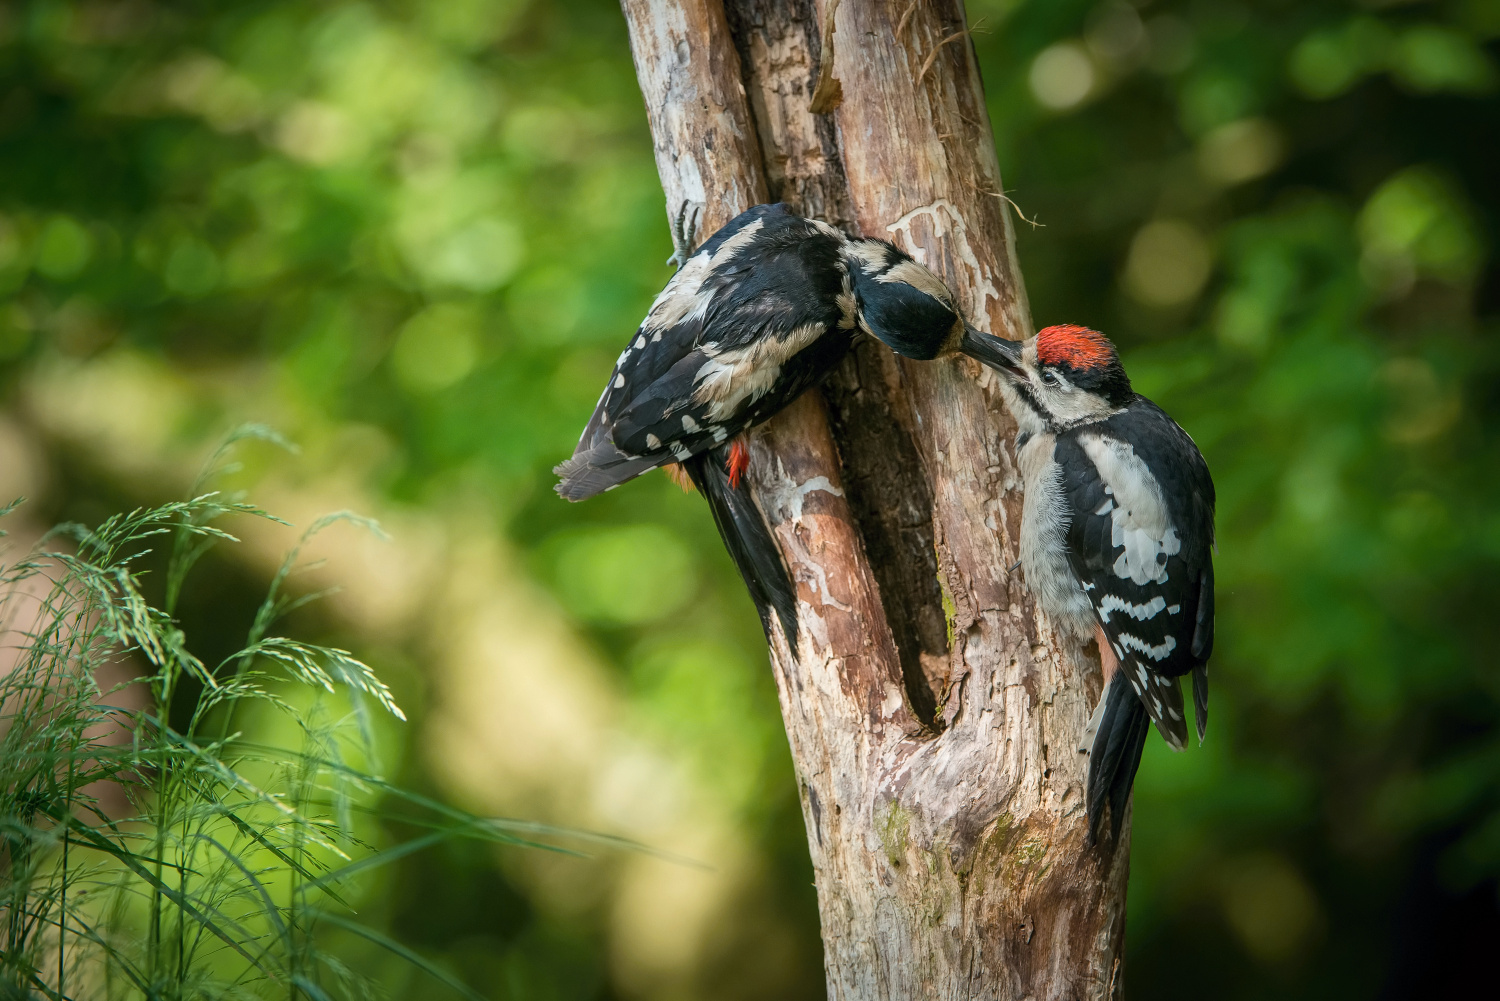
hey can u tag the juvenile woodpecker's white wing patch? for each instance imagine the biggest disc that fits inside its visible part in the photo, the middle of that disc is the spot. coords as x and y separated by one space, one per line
1157 652
1112 603
1138 512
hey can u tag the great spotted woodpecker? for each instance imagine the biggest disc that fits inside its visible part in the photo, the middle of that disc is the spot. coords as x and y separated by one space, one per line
761 311
1117 534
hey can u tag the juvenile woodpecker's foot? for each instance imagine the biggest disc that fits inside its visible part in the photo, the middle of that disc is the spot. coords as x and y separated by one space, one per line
678 475
739 461
684 229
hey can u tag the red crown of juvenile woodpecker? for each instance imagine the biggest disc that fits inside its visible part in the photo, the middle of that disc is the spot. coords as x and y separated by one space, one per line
1078 348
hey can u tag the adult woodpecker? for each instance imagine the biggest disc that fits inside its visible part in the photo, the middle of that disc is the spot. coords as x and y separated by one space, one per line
761 311
1117 534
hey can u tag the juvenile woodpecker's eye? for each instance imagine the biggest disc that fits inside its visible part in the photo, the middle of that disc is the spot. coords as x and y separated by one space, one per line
1049 377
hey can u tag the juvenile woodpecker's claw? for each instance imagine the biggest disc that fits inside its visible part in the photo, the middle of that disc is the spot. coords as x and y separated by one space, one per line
684 229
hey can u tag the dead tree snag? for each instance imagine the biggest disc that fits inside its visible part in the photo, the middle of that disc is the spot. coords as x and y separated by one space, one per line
933 718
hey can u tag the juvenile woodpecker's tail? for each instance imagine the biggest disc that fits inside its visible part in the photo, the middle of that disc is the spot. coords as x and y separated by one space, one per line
748 539
1116 754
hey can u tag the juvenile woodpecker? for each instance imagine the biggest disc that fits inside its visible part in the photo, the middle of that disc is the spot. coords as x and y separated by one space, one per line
761 311
1117 534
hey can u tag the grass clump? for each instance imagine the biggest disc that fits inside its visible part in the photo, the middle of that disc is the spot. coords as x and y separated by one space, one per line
143 859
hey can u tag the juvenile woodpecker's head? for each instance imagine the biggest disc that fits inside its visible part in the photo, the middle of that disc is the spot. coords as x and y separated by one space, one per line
899 301
1063 376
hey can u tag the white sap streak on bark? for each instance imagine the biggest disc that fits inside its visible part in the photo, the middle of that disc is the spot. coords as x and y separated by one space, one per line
948 224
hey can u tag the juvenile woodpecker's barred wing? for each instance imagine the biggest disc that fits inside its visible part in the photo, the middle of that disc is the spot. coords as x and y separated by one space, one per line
751 320
1139 538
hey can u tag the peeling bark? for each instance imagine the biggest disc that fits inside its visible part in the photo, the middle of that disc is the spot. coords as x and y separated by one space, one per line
933 716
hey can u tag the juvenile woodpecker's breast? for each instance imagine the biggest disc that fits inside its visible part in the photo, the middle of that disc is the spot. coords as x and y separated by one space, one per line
1045 518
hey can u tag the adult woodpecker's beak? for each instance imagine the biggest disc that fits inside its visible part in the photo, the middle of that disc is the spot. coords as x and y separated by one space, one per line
996 352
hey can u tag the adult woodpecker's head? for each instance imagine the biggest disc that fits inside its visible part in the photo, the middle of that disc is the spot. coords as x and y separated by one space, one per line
1064 376
900 302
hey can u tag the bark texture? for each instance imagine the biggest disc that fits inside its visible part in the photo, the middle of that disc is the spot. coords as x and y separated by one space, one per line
932 715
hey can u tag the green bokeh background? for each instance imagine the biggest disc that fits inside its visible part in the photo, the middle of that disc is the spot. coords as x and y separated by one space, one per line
413 236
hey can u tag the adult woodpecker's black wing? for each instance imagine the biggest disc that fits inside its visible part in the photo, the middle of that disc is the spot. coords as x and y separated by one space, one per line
1140 538
759 313
755 316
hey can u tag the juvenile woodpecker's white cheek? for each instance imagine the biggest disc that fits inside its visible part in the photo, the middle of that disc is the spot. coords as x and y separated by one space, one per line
1027 419
1069 405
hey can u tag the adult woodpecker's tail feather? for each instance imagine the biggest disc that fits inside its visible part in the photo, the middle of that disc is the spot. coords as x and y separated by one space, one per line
1115 756
749 541
598 467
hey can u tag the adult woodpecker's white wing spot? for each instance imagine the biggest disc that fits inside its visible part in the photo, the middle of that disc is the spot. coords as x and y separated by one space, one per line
684 299
734 376
871 255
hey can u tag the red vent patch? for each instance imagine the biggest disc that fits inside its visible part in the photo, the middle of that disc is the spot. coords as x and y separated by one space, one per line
1077 347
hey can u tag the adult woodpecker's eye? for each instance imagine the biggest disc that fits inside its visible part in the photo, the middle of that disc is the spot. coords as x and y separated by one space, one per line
1049 377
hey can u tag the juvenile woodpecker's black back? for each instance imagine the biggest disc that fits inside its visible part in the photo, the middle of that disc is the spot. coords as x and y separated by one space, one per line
761 311
1117 534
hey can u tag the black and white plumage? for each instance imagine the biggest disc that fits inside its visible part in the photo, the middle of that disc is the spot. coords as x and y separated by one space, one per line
745 325
761 311
1117 534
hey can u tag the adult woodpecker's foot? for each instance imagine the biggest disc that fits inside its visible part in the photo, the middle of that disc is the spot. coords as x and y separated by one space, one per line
739 461
684 229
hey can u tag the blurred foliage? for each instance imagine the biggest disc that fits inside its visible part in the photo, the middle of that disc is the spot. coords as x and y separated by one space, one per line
421 231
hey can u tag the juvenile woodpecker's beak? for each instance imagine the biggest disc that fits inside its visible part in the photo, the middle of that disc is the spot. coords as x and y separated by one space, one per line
996 352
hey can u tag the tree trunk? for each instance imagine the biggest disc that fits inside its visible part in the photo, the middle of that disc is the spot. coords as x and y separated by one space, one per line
933 716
